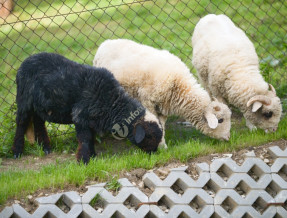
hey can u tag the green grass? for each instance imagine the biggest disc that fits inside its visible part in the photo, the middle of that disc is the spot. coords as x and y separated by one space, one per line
16 183
76 28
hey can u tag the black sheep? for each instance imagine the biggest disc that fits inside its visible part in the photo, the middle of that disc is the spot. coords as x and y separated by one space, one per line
54 89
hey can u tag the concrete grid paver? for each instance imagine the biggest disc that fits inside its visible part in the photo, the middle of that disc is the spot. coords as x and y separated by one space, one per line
225 202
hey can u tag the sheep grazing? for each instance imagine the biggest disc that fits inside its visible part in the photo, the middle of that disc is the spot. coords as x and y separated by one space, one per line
227 66
55 89
164 85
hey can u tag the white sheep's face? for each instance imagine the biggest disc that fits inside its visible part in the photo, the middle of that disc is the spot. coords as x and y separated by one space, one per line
217 116
264 112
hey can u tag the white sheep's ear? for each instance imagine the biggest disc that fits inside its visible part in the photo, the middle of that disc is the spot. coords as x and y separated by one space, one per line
256 106
140 134
211 120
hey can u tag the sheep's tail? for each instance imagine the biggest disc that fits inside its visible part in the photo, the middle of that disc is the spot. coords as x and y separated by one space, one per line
30 132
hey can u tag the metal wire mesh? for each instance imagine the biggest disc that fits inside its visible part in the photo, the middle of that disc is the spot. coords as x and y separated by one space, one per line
75 29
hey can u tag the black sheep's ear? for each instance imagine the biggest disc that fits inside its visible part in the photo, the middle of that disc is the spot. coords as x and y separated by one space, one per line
140 134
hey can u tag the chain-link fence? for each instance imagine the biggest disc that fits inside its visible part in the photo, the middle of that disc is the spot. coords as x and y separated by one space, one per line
75 29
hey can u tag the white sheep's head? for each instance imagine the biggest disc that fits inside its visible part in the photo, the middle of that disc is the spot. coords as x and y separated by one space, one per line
217 119
264 111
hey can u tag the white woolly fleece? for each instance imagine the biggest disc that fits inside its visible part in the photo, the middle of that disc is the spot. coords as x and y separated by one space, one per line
228 68
161 81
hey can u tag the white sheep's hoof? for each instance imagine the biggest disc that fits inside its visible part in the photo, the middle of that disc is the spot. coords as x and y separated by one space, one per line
251 126
162 146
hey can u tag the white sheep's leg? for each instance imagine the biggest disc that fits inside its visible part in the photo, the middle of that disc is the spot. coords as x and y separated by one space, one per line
162 120
250 125
220 99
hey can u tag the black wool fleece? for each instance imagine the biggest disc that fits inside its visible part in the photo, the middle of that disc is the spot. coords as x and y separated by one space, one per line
55 89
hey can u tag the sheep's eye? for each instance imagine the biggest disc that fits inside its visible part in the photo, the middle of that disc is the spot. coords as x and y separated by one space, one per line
268 114
220 120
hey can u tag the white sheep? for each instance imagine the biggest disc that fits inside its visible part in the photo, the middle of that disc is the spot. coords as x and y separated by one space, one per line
227 66
164 85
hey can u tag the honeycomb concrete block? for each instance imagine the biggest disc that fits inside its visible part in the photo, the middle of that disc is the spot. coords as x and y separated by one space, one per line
218 163
250 154
125 182
19 211
279 181
97 185
281 212
269 212
276 152
93 191
170 198
187 211
90 212
72 197
250 198
69 198
181 169
235 179
202 167
53 210
230 166
242 211
118 210
185 180
191 193
123 194
279 163
6 212
52 199
127 192
166 194
151 180
157 212
281 197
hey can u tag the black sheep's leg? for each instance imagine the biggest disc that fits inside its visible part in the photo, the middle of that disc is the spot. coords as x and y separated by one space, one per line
86 143
41 134
92 145
22 122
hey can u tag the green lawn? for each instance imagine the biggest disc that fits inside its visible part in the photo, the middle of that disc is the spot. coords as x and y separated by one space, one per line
76 28
190 144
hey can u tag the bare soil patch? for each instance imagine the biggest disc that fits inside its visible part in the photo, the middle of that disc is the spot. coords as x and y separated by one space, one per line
30 162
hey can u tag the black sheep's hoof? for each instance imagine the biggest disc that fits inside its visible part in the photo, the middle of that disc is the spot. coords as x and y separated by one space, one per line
93 155
85 161
17 155
47 151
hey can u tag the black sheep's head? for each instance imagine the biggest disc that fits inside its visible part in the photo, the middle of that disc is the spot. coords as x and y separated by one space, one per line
147 133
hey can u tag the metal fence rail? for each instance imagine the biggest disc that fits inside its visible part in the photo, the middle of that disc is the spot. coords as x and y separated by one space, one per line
75 29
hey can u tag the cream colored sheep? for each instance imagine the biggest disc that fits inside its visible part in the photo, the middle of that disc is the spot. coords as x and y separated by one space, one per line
164 85
227 65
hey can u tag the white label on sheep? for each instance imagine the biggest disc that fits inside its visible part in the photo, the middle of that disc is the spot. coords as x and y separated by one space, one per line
120 131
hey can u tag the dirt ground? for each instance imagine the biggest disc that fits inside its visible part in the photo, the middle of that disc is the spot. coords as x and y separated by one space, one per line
134 176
